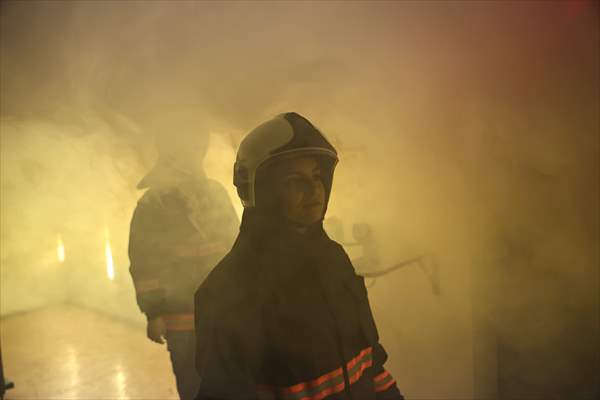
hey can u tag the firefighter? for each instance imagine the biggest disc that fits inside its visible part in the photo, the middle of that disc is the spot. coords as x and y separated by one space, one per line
283 315
182 226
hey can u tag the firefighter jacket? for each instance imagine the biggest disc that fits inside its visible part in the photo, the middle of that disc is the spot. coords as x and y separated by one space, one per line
284 316
178 234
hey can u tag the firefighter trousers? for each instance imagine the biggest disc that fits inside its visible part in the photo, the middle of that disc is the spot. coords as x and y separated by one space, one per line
181 346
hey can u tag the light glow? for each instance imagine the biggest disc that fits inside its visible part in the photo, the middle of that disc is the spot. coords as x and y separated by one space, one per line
60 249
110 267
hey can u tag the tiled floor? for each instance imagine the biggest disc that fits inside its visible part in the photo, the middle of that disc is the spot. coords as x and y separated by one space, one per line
66 352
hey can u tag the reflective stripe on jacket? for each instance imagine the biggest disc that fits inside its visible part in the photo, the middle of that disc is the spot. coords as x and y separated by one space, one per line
284 316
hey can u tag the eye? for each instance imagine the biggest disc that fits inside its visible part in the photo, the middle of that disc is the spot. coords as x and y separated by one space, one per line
302 183
292 180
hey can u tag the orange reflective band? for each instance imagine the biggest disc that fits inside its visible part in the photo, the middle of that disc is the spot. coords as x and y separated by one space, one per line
383 381
200 251
179 322
323 386
317 389
147 285
357 366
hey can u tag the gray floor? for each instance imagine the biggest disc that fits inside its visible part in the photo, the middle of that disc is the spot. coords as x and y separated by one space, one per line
66 352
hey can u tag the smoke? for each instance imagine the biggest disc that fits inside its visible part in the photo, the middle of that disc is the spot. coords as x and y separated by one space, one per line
467 131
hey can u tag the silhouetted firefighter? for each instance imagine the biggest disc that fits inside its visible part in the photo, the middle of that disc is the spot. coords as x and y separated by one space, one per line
283 315
182 226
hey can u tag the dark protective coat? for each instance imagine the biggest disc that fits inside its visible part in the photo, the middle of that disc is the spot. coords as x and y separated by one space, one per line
178 234
284 316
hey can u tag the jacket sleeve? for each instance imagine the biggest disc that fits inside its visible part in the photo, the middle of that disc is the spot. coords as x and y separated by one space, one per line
385 384
145 255
227 350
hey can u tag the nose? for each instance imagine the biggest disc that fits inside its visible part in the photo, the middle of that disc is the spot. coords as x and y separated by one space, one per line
312 187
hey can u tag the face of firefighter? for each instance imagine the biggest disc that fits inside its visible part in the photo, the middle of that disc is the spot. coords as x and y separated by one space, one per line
299 189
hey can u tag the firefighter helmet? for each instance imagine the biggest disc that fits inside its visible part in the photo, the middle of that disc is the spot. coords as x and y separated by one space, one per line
287 134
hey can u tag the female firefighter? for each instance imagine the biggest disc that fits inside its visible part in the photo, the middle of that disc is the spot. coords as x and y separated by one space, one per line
283 315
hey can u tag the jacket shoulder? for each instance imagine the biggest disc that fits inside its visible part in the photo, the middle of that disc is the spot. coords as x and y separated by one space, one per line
155 207
230 283
342 260
159 198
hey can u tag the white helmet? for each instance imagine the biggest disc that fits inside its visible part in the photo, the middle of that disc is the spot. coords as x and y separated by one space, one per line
286 134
